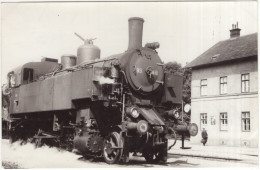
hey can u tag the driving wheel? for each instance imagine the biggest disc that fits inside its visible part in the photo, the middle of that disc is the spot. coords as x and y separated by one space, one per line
112 148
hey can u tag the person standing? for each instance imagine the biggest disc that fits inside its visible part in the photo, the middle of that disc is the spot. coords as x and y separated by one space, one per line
204 136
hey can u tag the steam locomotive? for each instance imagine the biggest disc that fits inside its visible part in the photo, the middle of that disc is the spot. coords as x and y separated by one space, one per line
106 107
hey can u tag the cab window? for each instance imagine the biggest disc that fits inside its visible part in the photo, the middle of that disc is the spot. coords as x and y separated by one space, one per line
27 75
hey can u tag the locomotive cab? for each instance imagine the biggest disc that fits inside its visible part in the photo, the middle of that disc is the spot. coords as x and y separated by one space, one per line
32 71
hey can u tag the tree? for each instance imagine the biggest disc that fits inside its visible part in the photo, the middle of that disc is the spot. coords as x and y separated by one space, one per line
173 67
186 85
186 91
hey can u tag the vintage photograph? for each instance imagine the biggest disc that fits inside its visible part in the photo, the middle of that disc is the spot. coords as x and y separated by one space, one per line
129 84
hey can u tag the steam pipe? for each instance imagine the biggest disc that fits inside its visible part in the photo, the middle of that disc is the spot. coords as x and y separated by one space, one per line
135 32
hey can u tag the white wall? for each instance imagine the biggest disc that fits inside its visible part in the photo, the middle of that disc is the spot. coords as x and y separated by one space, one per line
234 106
234 103
233 73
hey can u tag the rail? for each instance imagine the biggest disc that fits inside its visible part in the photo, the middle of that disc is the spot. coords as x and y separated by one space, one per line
79 67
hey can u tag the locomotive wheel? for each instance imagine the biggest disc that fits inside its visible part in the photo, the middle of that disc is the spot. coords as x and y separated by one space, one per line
152 156
112 148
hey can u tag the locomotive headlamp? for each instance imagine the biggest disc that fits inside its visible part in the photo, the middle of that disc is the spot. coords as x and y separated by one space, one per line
133 112
177 114
174 113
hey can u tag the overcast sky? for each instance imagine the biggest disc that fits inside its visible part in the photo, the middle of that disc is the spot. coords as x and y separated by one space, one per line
183 29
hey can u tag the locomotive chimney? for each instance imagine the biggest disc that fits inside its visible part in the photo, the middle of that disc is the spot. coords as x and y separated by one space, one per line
135 32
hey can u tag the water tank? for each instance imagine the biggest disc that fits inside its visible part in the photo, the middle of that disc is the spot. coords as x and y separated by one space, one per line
88 52
68 60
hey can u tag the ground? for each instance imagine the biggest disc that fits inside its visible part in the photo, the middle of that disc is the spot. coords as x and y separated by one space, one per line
27 156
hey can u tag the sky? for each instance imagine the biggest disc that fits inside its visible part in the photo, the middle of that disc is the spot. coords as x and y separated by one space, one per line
30 31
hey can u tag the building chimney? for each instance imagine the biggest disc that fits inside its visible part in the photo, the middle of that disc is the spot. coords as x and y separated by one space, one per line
135 32
235 31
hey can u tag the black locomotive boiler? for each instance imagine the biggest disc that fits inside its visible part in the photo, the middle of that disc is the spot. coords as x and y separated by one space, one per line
106 107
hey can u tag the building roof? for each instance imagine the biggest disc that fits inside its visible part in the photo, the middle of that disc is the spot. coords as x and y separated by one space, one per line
227 50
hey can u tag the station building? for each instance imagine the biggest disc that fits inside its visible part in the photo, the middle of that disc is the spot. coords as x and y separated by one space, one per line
224 91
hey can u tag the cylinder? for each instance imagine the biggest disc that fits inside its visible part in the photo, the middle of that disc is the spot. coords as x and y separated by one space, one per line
88 143
68 61
135 32
131 125
88 52
141 127
80 143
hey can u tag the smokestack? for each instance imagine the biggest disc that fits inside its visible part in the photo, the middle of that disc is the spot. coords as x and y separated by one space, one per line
135 32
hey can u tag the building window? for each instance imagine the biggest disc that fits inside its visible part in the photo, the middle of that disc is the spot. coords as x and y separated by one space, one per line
203 120
223 85
203 87
245 83
245 121
223 121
